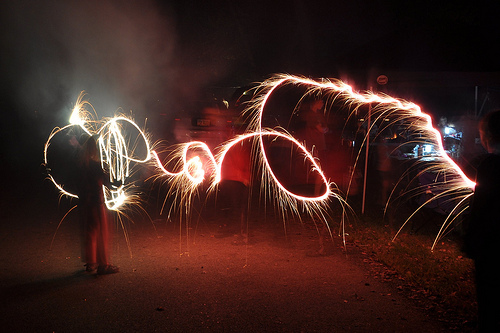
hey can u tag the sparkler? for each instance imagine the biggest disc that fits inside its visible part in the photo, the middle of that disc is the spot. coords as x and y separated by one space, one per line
118 149
384 109
192 173
116 152
195 164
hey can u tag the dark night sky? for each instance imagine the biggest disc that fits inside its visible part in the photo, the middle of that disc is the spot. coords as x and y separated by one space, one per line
147 56
161 57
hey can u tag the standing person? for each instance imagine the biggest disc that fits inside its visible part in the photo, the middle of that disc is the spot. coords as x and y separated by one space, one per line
93 211
315 127
314 132
384 168
483 228
236 175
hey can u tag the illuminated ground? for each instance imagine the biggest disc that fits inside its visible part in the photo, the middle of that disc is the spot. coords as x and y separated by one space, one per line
273 284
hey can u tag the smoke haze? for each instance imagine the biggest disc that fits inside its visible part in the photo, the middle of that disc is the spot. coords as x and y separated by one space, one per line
124 54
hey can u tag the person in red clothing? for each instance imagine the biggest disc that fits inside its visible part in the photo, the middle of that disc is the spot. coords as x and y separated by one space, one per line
315 126
93 211
236 172
483 226
312 135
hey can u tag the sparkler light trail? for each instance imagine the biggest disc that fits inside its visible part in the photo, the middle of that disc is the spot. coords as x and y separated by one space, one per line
386 112
384 109
117 146
191 173
193 164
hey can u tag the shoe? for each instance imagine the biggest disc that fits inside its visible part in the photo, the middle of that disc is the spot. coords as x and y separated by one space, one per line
107 269
89 268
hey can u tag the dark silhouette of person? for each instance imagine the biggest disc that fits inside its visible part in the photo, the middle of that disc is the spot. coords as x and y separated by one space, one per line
384 167
92 209
483 226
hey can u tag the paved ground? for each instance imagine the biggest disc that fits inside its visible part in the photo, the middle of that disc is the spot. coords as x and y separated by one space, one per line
173 283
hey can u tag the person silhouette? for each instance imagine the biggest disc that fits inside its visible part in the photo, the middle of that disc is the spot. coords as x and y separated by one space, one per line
92 209
483 226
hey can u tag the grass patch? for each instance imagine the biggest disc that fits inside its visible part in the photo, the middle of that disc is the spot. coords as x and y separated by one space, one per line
443 278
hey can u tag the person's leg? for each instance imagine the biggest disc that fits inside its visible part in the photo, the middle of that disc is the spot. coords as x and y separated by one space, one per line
90 237
102 255
103 235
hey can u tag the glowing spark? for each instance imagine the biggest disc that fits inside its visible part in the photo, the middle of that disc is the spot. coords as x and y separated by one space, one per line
384 108
286 199
45 154
387 106
192 169
193 163
115 151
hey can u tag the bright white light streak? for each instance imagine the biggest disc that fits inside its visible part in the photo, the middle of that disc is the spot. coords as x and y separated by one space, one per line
45 160
115 153
196 176
387 104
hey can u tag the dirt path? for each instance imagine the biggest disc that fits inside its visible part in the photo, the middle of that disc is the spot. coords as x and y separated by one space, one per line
271 284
